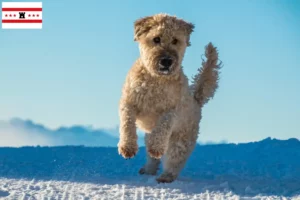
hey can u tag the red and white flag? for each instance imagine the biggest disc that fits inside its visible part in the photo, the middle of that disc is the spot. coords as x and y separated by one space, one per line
22 15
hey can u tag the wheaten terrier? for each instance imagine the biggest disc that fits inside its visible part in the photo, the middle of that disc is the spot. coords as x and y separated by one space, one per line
157 98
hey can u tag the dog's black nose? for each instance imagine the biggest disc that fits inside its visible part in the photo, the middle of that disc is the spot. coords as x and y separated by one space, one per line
166 62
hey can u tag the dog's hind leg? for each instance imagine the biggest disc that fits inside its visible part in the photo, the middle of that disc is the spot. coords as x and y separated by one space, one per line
176 157
152 164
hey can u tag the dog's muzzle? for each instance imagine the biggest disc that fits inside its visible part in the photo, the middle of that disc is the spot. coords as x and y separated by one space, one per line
165 65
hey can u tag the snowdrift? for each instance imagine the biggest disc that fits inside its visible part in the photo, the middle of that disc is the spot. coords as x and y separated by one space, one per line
268 167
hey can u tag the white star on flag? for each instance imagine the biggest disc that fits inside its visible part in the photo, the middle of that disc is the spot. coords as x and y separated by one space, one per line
22 15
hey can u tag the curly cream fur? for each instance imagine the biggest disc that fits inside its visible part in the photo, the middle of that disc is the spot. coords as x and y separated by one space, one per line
164 106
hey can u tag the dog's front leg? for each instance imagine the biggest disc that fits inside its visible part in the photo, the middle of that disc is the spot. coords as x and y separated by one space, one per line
127 145
158 139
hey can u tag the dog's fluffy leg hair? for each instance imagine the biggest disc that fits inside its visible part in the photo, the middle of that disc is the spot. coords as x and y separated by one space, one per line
205 83
127 145
157 141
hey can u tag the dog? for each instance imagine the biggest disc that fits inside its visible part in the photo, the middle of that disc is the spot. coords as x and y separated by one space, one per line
158 99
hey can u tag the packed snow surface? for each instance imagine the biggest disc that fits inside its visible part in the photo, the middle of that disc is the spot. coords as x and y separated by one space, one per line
269 169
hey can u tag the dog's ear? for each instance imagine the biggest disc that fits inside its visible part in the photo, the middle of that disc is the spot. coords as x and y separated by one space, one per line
142 26
189 28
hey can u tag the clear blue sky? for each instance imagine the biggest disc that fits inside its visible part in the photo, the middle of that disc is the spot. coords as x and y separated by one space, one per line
72 71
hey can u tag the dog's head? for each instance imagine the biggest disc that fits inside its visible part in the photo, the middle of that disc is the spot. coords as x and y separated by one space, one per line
162 42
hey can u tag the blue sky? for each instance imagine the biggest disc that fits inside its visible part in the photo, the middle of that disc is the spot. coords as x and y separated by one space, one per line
72 71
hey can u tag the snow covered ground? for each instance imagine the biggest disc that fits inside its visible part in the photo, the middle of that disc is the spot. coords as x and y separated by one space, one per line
269 169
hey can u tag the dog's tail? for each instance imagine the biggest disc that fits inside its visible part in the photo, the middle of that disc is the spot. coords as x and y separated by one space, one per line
205 83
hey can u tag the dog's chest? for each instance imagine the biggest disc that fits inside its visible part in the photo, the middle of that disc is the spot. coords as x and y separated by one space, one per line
155 97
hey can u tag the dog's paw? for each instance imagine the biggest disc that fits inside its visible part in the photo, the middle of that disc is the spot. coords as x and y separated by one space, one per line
128 150
142 171
148 171
156 152
165 178
155 145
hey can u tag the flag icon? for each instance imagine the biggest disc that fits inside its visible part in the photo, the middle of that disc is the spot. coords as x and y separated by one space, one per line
22 15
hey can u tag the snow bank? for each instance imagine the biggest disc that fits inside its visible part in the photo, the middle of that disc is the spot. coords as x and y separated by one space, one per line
269 167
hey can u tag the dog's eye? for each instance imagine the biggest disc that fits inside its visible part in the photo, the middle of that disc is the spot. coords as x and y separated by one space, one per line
156 40
174 41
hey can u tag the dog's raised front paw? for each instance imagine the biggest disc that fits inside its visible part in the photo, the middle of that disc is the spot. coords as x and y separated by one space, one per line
156 152
128 150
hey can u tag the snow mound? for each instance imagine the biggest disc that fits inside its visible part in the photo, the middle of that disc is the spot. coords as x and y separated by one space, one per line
269 168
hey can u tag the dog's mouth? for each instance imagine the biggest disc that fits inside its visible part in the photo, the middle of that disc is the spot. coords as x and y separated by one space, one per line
164 70
166 65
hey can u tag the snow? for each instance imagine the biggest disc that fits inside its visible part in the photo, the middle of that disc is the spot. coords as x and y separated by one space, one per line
269 169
